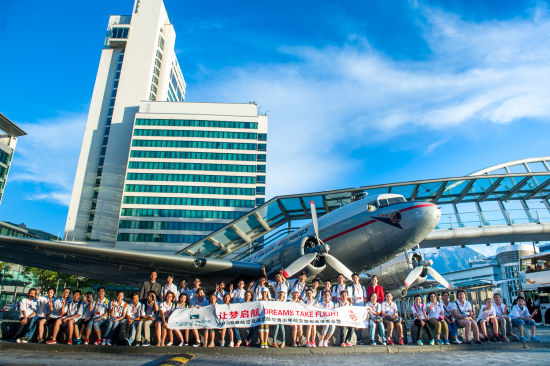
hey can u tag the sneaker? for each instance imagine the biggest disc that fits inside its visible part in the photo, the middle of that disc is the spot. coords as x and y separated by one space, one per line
343 345
186 344
231 344
456 341
128 342
479 342
314 346
535 339
146 344
108 342
523 339
70 341
51 341
308 345
432 342
77 341
446 342
222 343
372 343
419 342
390 342
197 344
383 343
439 341
137 344
86 341
169 344
401 342
97 343
40 340
348 344
19 340
103 342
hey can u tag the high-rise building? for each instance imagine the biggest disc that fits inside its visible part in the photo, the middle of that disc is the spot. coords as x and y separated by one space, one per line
155 172
9 132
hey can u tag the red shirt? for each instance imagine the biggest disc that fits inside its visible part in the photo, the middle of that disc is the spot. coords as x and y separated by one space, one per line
379 291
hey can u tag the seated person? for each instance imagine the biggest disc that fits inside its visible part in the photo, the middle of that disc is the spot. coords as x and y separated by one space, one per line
436 319
70 314
133 316
501 311
165 309
463 312
520 318
420 320
392 319
117 313
27 317
148 316
375 317
452 323
47 308
87 315
488 314
100 308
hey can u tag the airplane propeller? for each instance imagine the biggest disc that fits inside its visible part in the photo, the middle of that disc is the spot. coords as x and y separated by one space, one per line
320 251
417 271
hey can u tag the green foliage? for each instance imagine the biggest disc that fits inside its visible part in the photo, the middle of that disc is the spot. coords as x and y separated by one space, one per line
4 271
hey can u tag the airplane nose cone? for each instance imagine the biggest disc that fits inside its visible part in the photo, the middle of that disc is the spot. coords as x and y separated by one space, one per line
426 217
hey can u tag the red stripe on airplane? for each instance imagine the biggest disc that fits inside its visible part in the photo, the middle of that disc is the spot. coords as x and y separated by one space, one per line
417 206
350 230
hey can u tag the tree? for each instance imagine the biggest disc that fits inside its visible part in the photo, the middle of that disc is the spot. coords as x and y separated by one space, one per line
4 271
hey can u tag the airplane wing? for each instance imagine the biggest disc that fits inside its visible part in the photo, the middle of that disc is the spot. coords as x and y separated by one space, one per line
119 266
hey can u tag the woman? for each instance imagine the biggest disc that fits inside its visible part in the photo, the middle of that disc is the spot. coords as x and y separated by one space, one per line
436 319
311 330
297 330
347 332
281 296
420 320
328 329
375 316
464 313
233 332
165 309
488 314
264 328
117 313
182 304
392 319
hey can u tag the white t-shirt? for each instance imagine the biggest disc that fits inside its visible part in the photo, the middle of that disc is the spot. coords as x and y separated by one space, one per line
100 307
310 302
26 307
86 311
148 310
296 285
337 290
448 309
418 310
341 303
374 308
181 306
465 309
237 296
484 314
220 295
327 305
518 312
169 288
134 311
321 294
358 294
43 308
389 309
73 308
167 309
278 287
500 309
434 310
118 310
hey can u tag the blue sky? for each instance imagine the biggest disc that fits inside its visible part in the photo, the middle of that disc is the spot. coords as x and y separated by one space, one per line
359 92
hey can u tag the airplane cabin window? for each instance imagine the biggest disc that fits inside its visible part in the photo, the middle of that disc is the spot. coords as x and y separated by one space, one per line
372 206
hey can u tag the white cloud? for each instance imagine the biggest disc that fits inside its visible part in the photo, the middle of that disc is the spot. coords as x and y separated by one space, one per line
48 155
332 100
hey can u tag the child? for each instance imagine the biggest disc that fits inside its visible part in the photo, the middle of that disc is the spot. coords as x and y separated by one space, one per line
133 315
347 332
520 318
311 330
488 314
264 328
147 317
328 329
117 314
71 312
375 315
182 304
101 311
281 296
420 320
165 309
297 330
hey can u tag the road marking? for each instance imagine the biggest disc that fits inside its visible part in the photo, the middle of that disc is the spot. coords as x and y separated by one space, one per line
176 360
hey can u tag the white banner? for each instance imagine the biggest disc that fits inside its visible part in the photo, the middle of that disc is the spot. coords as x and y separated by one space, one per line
265 312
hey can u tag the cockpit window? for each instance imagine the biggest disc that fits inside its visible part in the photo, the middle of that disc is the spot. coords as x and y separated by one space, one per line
372 206
383 202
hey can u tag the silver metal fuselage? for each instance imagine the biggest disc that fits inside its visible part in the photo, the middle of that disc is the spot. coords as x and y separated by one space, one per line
360 238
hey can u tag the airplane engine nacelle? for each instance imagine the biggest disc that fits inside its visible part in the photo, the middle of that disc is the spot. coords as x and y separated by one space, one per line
392 274
297 248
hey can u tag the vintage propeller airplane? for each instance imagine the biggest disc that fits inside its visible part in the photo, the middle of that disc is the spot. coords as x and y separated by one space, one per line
373 234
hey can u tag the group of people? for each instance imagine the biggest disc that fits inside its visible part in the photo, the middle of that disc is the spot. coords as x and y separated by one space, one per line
131 322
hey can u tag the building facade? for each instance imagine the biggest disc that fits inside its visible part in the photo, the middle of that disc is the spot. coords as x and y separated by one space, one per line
8 139
153 159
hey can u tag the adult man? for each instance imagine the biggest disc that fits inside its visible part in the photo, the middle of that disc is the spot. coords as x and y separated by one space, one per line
502 316
27 317
151 285
374 288
71 312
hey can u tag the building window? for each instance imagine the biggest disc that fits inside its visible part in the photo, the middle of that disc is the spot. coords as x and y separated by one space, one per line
119 32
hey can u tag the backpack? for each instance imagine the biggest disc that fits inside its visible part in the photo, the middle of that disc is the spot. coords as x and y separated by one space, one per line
123 332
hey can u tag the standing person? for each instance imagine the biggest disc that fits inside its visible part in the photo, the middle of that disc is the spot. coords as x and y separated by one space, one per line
233 332
521 318
314 288
452 323
169 287
52 311
101 311
358 295
464 313
165 309
376 316
198 301
281 297
210 333
280 284
264 328
338 288
193 293
420 320
327 287
249 297
220 292
117 314
133 316
183 288
392 319
311 330
375 288
86 318
298 284
238 294
27 317
436 319
488 314
148 317
328 329
151 285
182 304
297 329
501 311
347 332
70 314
